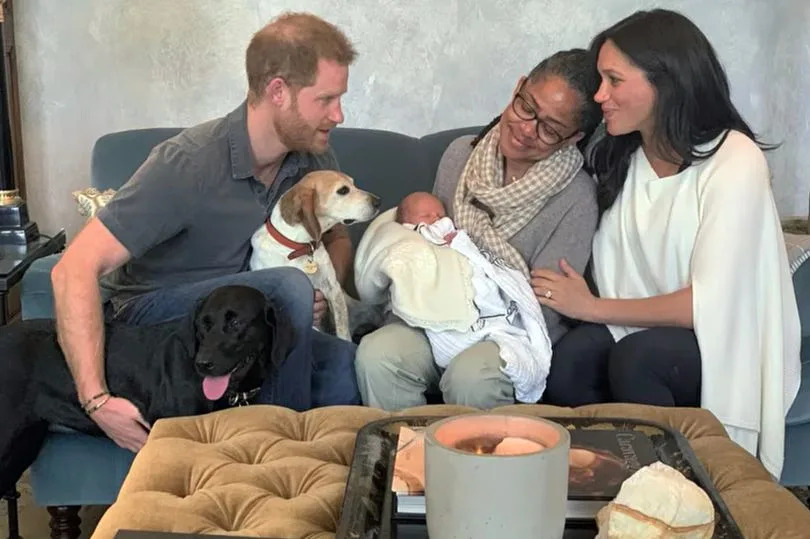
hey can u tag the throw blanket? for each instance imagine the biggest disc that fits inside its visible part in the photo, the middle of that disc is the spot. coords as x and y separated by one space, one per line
512 206
430 287
509 315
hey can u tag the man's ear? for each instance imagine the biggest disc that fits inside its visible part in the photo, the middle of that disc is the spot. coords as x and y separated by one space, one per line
277 91
282 332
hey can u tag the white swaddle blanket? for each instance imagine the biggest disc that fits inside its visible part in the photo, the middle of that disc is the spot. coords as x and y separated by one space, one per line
508 315
457 295
425 286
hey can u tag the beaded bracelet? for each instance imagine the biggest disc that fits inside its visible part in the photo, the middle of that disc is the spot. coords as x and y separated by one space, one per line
89 401
97 406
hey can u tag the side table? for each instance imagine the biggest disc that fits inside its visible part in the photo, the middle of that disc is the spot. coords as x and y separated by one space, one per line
15 259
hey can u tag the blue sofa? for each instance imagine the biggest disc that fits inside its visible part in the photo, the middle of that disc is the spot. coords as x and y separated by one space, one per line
75 469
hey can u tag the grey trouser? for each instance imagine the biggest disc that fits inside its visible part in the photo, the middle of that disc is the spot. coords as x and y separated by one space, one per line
395 367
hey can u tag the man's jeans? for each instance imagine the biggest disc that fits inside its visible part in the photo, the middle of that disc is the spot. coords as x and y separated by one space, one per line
319 370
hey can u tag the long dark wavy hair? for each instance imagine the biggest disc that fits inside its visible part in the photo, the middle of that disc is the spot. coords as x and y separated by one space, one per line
577 67
692 106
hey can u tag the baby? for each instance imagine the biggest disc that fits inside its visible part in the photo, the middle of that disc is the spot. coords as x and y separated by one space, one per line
506 311
425 213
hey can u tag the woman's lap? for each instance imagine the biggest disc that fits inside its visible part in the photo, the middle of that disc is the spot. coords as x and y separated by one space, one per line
395 368
659 366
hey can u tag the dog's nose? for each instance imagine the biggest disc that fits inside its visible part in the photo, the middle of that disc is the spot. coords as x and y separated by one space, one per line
375 202
205 365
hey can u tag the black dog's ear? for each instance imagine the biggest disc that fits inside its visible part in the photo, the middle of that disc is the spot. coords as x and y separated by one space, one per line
283 334
191 324
194 313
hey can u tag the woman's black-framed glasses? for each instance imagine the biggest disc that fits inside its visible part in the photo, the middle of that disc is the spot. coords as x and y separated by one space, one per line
547 134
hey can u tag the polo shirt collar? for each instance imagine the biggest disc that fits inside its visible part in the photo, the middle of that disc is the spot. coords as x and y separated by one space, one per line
241 155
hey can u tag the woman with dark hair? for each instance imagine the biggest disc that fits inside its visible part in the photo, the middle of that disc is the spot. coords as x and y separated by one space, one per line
696 304
519 191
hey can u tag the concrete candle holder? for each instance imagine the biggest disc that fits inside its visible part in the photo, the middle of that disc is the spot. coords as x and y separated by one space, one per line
492 475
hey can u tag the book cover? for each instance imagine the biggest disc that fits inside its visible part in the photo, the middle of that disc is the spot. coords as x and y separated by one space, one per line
599 461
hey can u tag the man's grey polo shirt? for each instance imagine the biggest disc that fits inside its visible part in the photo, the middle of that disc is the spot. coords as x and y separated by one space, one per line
187 214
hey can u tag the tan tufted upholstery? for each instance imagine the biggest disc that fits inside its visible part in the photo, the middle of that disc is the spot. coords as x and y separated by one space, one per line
264 471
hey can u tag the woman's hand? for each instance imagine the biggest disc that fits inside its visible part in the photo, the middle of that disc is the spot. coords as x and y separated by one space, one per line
566 292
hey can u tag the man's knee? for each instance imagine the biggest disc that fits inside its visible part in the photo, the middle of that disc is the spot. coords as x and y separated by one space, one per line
284 281
474 378
288 287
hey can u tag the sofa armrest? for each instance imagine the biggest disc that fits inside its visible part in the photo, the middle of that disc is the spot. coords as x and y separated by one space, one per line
37 294
798 248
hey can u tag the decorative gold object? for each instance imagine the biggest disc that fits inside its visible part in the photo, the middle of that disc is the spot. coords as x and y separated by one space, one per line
10 197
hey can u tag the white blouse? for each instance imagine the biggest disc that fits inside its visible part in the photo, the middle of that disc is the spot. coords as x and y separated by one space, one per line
715 226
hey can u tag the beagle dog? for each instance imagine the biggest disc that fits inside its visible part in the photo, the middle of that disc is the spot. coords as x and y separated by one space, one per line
292 234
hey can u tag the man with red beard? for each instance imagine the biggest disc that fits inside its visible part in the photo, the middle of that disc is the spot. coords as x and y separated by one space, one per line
181 226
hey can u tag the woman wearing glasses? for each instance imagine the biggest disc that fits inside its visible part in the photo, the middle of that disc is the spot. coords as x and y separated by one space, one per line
519 190
696 305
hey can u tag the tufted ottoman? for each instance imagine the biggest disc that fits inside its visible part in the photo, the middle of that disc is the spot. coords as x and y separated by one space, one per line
264 471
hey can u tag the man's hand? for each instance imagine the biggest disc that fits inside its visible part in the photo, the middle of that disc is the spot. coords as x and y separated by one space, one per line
319 308
123 423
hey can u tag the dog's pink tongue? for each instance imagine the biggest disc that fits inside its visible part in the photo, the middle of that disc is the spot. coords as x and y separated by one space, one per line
214 386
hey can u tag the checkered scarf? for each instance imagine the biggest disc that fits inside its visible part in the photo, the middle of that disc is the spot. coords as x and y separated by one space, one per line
510 207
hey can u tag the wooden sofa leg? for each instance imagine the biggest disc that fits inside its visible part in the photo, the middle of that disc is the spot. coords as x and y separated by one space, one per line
13 517
65 521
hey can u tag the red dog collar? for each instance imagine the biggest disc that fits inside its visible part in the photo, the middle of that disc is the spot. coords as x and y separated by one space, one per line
298 249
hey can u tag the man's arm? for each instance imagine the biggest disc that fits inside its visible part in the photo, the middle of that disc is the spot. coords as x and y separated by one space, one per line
80 327
77 301
141 215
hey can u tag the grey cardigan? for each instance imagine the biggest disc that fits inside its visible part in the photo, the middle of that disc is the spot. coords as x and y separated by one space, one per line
563 228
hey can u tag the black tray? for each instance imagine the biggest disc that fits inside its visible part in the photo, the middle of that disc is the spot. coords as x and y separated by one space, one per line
367 502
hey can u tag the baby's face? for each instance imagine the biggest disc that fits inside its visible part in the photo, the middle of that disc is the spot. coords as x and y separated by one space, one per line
425 209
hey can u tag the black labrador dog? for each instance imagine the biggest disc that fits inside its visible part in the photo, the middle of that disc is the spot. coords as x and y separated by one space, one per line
218 356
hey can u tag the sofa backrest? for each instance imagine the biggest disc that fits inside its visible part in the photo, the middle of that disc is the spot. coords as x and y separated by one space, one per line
116 156
386 163
390 165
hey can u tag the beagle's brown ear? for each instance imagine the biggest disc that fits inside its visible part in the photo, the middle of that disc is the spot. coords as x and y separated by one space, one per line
299 207
309 201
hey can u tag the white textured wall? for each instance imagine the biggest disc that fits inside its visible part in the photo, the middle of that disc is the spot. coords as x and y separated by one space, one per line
88 67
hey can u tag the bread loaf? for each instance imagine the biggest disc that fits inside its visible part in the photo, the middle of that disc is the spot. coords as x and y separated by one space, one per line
657 502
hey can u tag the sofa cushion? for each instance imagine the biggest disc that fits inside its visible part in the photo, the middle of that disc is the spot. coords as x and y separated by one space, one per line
66 471
37 293
271 472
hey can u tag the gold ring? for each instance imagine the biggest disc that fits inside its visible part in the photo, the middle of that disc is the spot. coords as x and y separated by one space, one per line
548 294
